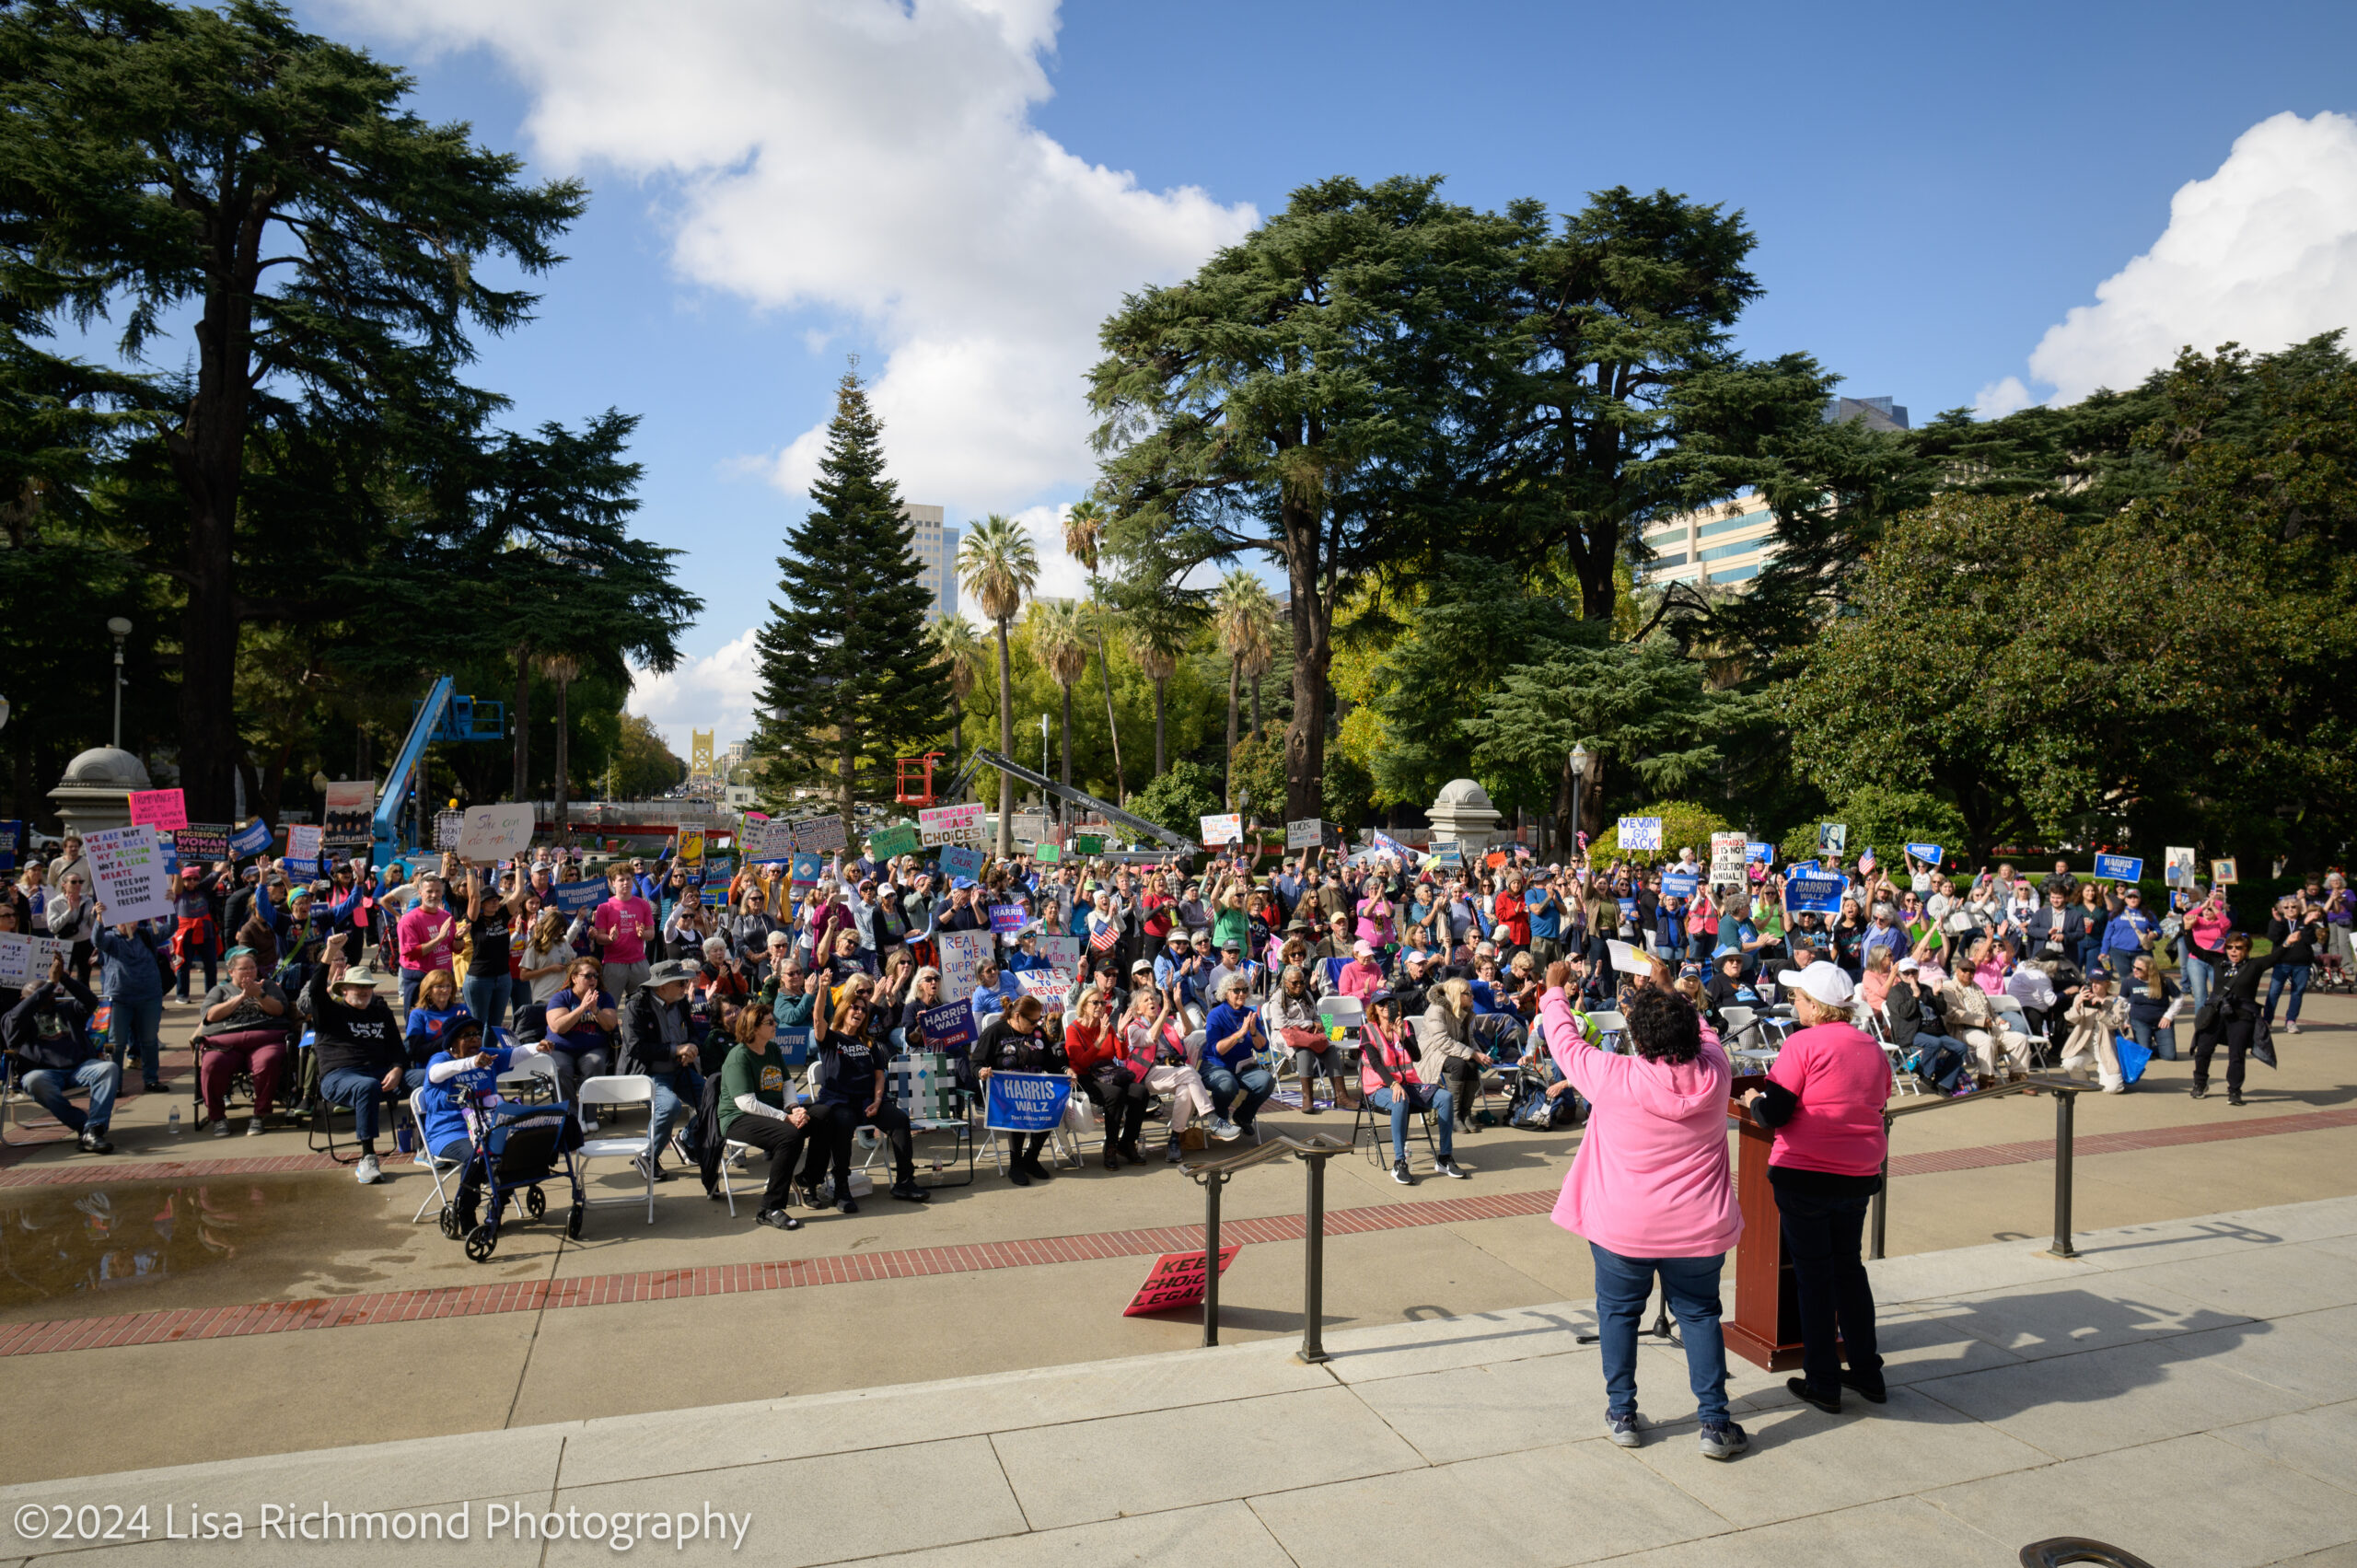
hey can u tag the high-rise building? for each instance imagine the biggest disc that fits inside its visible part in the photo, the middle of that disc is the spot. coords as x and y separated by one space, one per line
1727 544
935 548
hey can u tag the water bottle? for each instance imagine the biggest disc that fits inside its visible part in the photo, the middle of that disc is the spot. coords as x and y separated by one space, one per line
172 1124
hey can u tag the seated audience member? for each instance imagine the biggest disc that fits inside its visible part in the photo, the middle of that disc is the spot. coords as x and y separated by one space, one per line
1233 1039
851 1056
1912 1015
2032 985
1450 1052
246 1025
462 1079
1014 1040
48 1033
1387 1080
1969 1017
431 1016
1295 1025
994 990
1093 1052
361 1059
756 1109
1157 1053
582 1022
658 1038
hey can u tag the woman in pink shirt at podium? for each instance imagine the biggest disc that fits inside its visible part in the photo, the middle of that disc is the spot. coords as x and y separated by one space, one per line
1651 1192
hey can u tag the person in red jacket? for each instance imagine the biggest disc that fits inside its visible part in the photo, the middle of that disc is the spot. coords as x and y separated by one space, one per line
1513 917
1093 1049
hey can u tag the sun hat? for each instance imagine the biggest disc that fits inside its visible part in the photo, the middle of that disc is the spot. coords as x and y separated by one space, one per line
1826 982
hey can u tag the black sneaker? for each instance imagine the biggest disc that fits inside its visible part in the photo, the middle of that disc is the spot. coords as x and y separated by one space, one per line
639 1163
1799 1388
1871 1390
811 1199
910 1192
1172 1154
850 1204
93 1141
779 1218
1017 1174
2234 1097
2201 1091
1399 1173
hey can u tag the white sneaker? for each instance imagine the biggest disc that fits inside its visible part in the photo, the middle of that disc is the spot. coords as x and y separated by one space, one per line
2292 1028
253 1128
367 1172
220 1126
588 1124
1451 1168
1224 1130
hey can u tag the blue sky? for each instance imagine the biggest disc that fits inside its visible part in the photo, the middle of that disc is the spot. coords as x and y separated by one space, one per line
942 192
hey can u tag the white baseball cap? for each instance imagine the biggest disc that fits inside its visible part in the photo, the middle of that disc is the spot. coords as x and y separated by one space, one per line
1826 982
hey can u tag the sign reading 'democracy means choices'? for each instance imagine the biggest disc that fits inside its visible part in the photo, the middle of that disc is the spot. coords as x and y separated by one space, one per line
950 824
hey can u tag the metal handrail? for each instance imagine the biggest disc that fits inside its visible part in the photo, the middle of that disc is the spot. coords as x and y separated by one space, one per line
1213 1175
2066 1092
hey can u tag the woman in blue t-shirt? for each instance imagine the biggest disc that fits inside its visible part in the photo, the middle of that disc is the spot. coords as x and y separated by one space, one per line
461 1078
1232 1038
437 1011
581 1024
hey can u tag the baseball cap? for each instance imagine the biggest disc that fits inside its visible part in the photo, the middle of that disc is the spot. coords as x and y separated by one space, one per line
1362 949
1904 965
1826 982
1144 966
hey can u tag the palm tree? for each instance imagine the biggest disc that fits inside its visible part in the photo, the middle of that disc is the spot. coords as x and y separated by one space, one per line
564 670
1157 641
1060 642
1244 618
997 565
1085 527
955 644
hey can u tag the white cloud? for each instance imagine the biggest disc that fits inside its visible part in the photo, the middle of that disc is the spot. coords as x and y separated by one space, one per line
869 158
2001 397
714 693
2263 253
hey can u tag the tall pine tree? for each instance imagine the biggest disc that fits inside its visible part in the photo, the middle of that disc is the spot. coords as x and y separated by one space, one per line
848 680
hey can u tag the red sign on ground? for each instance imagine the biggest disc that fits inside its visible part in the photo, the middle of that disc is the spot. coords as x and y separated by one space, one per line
1176 1280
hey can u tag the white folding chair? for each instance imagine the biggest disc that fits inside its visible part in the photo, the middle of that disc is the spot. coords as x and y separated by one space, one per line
1610 1028
527 1077
434 1167
614 1089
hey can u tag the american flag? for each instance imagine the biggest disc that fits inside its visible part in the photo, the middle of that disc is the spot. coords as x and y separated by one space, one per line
1103 941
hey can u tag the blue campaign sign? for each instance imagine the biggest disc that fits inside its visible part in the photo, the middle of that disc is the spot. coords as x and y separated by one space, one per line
961 860
794 1044
1928 853
1026 1102
806 870
1679 884
948 1027
1810 893
254 837
2119 868
1628 909
1447 854
574 898
1758 854
1008 918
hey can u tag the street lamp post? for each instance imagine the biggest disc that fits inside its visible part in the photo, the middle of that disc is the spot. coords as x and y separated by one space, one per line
1579 780
121 629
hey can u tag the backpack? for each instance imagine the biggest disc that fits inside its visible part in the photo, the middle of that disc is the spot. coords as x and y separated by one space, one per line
1534 1111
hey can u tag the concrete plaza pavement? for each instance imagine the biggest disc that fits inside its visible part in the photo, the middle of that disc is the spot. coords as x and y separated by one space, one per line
2186 1389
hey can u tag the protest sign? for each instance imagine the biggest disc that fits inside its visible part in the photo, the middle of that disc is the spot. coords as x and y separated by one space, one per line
1679 884
1062 954
961 860
1495 859
1727 852
1384 843
200 842
24 961
165 809
1626 959
2177 866
1226 829
351 812
949 1027
1026 1102
1833 839
447 828
766 840
1088 844
303 843
1813 893
803 871
127 864
950 824
574 898
691 849
1929 854
2118 868
1306 834
12 841
1449 854
1046 855
820 835
794 1043
251 839
896 841
2221 873
496 833
1759 853
1049 986
1175 1281
1641 832
962 954
1007 919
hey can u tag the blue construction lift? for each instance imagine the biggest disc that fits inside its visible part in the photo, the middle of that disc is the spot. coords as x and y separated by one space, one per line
442 715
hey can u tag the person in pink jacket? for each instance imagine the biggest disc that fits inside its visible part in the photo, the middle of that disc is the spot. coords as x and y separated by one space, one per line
1651 1192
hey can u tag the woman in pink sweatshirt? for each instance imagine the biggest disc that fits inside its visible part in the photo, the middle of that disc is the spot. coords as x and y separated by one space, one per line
1650 1191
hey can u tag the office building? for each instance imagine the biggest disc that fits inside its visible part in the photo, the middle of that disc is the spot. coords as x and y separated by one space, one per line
1727 544
935 549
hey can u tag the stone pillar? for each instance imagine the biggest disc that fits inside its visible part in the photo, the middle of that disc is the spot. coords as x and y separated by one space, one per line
1463 816
96 788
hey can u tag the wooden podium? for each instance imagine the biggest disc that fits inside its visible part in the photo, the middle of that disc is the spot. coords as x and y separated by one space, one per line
1766 1328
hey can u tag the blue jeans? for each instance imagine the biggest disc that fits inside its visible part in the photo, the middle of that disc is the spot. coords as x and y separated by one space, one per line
100 1076
1622 1287
2160 1042
2123 964
1418 1096
1237 1095
410 981
2200 975
486 998
135 1022
2286 977
677 1096
342 1085
198 953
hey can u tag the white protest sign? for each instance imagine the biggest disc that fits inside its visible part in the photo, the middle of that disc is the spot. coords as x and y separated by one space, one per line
1047 985
1306 834
1641 832
496 833
1062 954
818 835
128 866
1728 854
303 842
1228 830
24 961
963 952
950 824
